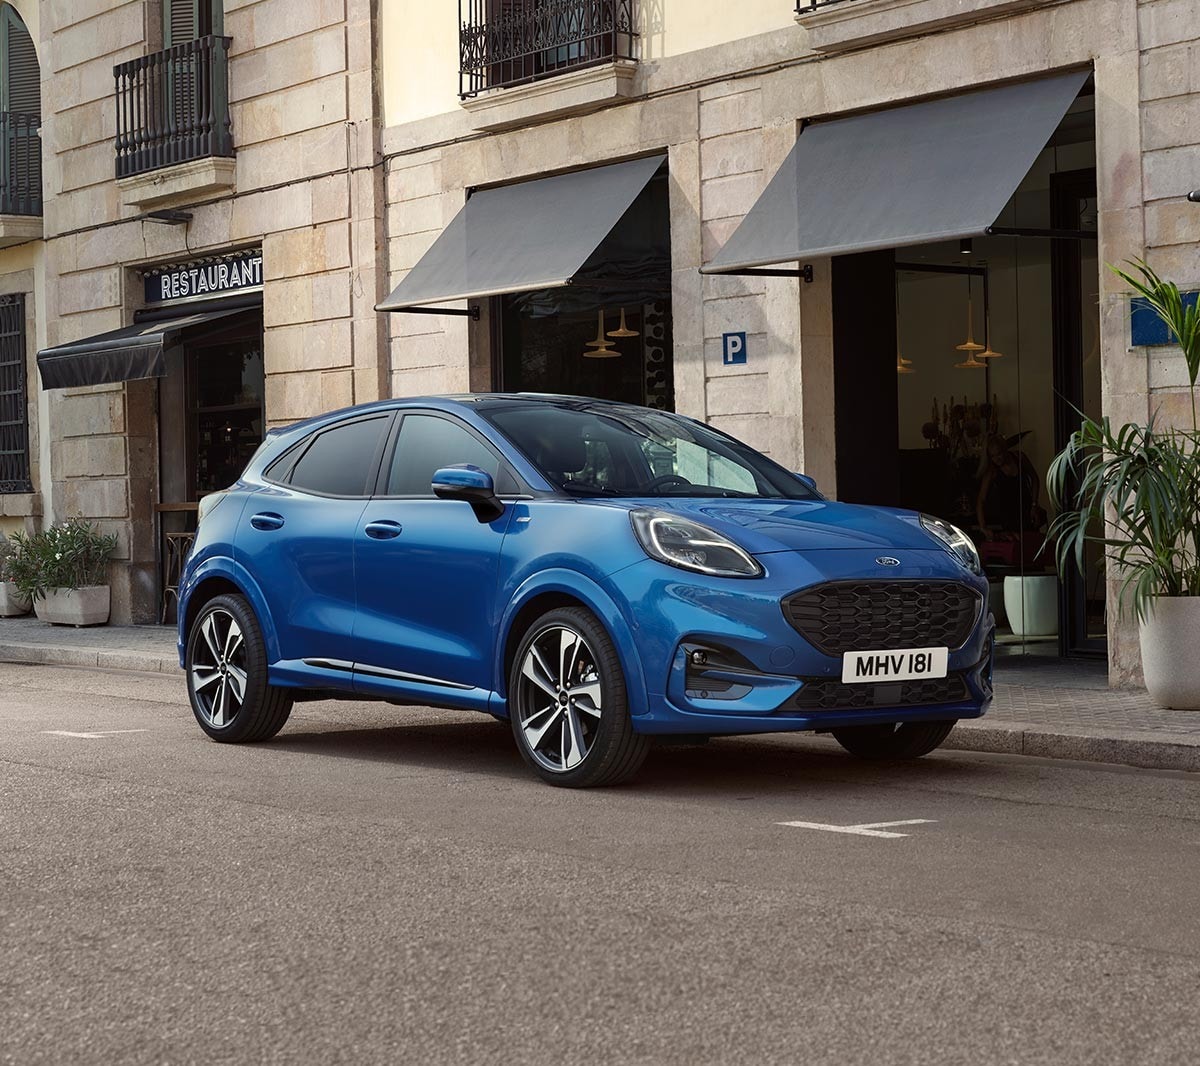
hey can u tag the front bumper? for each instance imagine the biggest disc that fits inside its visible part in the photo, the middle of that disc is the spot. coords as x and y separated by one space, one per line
755 673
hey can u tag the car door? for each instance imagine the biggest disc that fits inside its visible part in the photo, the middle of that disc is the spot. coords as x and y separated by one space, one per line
427 569
296 536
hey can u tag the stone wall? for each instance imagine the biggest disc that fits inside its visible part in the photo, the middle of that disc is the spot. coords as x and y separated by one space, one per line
308 189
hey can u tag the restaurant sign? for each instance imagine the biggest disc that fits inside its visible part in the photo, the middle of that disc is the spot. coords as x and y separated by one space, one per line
204 279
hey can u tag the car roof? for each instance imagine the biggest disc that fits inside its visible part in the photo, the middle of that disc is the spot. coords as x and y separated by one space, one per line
478 401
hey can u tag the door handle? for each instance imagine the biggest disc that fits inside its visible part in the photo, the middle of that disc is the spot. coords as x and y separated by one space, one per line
383 529
267 520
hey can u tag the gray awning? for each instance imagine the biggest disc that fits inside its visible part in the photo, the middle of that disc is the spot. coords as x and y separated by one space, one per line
926 172
122 355
518 238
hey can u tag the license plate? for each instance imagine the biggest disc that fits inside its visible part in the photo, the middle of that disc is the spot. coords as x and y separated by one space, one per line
871 667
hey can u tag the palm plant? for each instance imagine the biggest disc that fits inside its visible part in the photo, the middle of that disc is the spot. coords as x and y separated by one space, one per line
1136 491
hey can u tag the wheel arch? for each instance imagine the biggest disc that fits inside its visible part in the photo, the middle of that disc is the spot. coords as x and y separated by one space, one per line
219 577
548 591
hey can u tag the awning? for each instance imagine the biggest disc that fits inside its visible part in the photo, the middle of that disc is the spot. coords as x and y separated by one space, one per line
122 355
516 238
932 171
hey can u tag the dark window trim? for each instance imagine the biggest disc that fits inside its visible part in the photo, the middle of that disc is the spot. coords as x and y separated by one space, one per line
381 479
301 449
14 403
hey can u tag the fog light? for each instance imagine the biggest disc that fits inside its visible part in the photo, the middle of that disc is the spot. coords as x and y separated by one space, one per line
699 658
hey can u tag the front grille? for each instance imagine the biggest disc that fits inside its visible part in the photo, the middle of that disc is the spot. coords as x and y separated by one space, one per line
844 616
830 694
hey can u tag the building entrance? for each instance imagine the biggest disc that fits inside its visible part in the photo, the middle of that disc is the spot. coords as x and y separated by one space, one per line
956 390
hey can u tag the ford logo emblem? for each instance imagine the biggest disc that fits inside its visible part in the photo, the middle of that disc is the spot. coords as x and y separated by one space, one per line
887 560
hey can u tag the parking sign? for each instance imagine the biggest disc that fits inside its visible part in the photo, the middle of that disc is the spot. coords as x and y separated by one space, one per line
733 348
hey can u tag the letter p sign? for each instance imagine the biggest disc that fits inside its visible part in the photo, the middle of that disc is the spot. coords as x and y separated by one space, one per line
733 348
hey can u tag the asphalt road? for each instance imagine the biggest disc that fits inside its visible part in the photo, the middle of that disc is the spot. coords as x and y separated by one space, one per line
387 885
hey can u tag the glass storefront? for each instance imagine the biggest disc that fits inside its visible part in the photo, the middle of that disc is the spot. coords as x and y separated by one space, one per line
993 346
608 333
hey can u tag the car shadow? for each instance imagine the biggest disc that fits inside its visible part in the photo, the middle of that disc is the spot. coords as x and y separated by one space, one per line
756 765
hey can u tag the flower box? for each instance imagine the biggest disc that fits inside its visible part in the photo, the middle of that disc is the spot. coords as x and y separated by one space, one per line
12 602
86 606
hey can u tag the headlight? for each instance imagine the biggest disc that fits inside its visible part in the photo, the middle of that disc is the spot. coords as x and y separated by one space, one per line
207 505
691 546
960 545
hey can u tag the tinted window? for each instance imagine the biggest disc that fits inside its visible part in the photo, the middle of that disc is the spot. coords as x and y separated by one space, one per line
339 460
637 452
427 444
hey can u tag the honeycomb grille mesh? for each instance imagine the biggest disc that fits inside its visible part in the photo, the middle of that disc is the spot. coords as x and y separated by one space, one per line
844 616
830 694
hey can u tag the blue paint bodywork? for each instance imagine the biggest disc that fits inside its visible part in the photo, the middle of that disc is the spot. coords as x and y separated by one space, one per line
430 615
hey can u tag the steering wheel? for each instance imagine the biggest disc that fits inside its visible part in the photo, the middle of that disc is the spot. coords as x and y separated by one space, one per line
664 480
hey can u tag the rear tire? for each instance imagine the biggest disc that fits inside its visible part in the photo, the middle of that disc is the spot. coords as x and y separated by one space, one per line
568 704
226 663
893 740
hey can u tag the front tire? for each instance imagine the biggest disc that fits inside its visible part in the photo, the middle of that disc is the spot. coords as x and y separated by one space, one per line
226 663
568 704
894 740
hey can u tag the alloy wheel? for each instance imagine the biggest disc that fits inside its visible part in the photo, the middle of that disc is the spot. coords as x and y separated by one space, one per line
218 673
559 703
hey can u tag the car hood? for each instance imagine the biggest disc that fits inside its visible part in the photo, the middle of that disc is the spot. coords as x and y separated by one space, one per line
764 526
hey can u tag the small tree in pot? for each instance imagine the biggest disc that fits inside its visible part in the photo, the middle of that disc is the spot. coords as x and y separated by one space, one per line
13 602
64 570
1136 492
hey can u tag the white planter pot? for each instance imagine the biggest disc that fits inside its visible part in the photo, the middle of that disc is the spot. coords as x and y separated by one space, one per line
1169 637
1031 604
74 607
12 603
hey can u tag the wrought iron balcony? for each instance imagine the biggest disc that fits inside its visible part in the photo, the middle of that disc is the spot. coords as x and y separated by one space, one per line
173 106
20 163
803 6
503 43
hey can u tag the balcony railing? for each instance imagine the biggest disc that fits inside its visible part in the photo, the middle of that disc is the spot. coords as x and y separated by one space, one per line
803 6
173 106
20 163
511 42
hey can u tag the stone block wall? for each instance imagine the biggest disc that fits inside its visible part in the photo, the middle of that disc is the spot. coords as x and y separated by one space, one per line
308 189
1170 122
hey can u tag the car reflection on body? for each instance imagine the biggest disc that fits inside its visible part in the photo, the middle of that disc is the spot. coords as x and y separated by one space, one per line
597 573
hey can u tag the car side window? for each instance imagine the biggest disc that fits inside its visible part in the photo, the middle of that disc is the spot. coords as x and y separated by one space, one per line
341 460
427 443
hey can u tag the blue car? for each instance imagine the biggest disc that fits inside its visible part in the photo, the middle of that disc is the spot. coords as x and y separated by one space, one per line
597 573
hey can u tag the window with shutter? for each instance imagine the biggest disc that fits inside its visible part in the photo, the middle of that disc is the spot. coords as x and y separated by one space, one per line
185 20
21 107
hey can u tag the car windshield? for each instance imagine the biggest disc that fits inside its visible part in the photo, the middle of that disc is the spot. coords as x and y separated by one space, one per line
633 452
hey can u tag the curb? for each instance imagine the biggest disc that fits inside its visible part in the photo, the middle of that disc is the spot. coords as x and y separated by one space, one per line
1144 750
1147 751
57 655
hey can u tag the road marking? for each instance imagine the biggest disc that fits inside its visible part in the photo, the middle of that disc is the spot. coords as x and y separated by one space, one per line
867 829
89 736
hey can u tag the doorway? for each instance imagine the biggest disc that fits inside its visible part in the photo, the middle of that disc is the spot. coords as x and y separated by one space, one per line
960 369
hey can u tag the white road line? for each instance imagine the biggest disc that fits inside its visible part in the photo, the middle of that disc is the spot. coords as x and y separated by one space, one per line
867 829
89 736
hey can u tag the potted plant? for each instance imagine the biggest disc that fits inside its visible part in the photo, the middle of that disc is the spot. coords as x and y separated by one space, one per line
64 571
1136 492
13 602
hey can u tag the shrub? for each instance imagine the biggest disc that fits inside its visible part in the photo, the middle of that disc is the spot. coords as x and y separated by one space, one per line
70 556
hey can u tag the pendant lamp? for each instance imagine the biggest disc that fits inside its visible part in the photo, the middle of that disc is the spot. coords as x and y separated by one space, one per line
970 345
601 347
623 330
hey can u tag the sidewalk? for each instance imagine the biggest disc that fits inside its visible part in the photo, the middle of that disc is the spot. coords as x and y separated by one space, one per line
1044 709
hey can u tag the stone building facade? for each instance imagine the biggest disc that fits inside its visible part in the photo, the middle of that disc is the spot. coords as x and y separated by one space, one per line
356 141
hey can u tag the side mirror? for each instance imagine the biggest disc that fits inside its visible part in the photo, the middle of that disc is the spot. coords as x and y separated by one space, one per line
471 484
808 482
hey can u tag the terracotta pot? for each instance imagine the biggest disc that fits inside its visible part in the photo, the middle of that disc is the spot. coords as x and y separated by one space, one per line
87 606
12 603
1169 637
